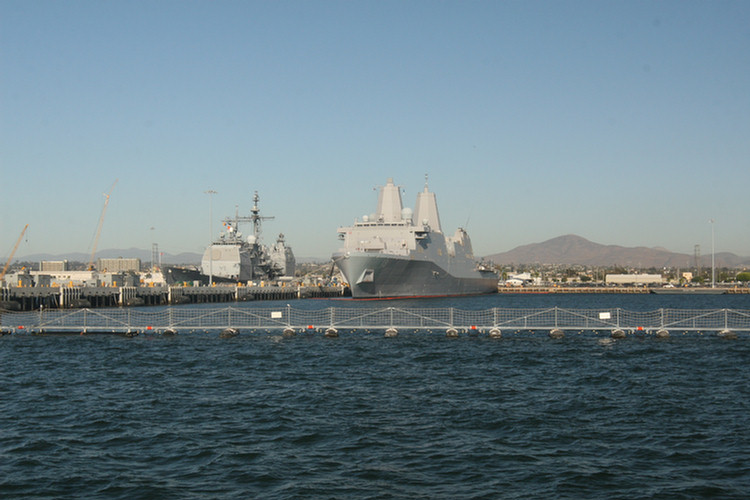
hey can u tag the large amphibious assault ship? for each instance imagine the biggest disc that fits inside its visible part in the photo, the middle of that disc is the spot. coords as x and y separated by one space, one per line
397 252
239 259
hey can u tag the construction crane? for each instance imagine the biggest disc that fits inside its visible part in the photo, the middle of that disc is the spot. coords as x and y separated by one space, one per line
5 268
99 226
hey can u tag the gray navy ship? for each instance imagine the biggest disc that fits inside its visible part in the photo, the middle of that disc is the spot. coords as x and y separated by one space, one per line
397 252
234 258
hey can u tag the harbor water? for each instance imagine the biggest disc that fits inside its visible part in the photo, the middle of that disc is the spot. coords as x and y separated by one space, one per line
363 416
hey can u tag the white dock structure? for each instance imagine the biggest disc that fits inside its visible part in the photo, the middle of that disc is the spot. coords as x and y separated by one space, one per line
496 322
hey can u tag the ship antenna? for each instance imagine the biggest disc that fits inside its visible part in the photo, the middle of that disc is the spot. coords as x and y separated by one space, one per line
255 215
468 218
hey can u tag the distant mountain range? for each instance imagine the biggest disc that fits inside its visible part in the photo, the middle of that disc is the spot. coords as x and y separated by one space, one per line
571 249
565 250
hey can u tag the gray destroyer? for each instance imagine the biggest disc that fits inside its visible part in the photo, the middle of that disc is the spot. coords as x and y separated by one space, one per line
234 258
398 252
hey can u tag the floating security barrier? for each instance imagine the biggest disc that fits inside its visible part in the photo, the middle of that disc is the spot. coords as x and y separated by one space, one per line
535 322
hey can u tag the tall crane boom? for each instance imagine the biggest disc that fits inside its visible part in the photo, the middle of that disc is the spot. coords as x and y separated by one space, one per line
5 268
99 226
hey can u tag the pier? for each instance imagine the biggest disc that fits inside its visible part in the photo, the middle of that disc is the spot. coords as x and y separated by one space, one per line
390 321
618 289
570 289
30 298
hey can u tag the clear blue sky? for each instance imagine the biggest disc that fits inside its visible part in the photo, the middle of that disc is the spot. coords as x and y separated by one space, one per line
626 123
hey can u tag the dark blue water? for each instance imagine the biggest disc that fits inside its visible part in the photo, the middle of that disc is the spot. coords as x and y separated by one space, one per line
632 302
362 416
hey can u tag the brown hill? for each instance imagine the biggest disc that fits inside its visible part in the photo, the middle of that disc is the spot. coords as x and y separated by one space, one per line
571 249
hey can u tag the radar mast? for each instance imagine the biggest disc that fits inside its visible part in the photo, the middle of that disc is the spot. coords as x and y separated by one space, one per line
254 218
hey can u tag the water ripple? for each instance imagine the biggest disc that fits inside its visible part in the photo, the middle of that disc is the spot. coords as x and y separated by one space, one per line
368 417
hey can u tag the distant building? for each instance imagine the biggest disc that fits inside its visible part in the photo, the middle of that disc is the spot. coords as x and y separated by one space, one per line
118 265
520 280
51 278
633 279
53 266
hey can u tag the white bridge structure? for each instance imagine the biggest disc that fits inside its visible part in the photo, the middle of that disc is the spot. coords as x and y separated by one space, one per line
495 322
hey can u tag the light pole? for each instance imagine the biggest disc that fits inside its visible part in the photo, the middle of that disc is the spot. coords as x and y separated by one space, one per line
154 250
210 194
713 260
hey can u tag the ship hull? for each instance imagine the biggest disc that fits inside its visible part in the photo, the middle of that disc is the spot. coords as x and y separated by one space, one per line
385 276
174 275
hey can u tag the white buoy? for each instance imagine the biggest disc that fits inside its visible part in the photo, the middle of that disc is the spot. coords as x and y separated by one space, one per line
331 332
556 333
728 334
228 333
618 334
391 332
288 332
495 333
451 332
169 332
662 333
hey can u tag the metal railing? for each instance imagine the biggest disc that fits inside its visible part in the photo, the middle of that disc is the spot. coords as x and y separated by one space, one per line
349 318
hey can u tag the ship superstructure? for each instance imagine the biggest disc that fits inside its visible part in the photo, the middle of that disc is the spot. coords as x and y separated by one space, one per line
397 252
282 257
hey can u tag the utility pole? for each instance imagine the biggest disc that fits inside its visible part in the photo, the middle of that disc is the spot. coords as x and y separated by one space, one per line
210 194
713 258
697 257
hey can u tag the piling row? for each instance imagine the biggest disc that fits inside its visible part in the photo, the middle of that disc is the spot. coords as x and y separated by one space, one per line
35 298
